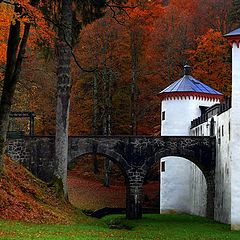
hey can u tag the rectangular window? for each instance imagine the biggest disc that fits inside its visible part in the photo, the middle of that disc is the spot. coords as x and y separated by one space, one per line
219 135
163 116
222 130
163 166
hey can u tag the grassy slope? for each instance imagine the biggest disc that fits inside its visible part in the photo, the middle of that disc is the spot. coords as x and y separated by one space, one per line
164 227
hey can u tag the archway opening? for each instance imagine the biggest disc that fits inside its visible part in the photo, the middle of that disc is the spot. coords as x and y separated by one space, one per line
87 183
183 187
151 189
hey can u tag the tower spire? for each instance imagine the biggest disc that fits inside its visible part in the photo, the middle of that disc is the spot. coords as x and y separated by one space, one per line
187 69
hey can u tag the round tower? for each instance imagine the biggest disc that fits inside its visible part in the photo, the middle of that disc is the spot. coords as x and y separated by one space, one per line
181 102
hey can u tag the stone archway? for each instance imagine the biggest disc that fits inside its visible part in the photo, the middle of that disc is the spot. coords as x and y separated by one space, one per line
178 187
86 189
117 159
207 171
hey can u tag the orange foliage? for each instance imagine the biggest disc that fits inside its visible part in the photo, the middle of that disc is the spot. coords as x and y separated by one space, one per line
167 35
5 20
211 62
24 197
40 35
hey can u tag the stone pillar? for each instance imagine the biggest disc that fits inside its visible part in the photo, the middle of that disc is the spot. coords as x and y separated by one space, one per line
134 194
210 180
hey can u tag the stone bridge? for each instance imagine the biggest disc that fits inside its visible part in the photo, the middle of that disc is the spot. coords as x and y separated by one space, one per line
135 155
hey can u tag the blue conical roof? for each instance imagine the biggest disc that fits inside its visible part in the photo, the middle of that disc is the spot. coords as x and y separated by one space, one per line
189 84
235 32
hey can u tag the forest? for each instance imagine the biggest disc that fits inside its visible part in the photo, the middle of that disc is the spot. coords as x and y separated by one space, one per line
123 56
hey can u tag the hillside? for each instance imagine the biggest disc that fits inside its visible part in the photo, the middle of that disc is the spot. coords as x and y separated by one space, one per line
24 197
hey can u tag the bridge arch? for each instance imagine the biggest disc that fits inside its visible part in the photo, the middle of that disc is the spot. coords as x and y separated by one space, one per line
204 165
113 156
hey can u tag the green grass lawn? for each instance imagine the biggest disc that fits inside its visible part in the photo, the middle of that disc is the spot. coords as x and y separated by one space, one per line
159 227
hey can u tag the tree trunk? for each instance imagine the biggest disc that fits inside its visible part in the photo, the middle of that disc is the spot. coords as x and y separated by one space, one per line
106 181
13 69
63 95
135 49
95 114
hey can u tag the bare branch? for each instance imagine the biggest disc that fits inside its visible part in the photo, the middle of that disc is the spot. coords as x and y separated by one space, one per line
75 58
119 7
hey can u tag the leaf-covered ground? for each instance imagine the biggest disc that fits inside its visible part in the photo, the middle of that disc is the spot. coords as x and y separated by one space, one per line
24 197
86 190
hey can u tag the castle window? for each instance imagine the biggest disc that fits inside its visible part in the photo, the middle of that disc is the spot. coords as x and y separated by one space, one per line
212 123
219 135
163 166
222 130
163 115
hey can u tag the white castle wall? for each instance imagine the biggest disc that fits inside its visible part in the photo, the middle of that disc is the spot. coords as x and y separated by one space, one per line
235 139
222 177
198 192
176 191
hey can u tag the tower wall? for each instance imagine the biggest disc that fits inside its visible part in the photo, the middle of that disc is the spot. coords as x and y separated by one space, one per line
235 139
176 191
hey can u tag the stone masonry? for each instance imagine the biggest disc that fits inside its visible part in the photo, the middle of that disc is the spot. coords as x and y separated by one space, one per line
135 155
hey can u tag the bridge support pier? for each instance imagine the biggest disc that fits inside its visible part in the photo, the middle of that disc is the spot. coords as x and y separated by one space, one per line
134 195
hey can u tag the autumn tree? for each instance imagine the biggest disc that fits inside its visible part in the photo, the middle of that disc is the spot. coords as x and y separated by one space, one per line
211 62
67 12
234 14
24 13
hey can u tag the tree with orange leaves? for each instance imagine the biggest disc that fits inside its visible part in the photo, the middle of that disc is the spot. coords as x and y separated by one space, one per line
24 15
211 62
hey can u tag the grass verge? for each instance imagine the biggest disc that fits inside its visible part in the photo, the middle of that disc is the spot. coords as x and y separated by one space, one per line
157 227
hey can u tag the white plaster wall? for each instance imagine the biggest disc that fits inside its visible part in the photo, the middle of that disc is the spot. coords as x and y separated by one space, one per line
176 192
222 179
198 190
179 114
235 139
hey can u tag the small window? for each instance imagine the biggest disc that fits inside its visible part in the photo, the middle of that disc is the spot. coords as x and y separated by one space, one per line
222 130
219 135
212 127
163 115
163 166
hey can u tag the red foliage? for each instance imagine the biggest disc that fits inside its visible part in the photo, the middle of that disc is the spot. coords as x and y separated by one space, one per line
24 197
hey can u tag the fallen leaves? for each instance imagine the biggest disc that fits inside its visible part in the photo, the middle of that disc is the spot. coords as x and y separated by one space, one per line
24 197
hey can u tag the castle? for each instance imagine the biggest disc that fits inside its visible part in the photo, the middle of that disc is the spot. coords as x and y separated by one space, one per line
191 108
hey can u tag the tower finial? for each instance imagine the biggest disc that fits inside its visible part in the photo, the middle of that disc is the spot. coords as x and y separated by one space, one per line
187 69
